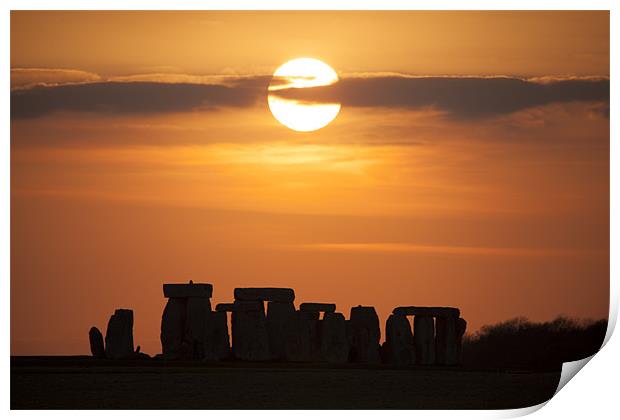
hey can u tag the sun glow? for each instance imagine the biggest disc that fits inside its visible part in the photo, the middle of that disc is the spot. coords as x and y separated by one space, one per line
302 73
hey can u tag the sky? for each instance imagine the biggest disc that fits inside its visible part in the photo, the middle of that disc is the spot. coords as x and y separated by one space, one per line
468 165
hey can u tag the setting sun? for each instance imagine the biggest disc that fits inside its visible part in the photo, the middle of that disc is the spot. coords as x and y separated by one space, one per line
302 73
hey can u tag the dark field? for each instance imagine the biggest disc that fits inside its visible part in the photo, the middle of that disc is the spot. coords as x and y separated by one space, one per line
80 382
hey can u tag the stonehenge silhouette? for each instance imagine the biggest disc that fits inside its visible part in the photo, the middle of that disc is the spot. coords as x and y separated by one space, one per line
191 330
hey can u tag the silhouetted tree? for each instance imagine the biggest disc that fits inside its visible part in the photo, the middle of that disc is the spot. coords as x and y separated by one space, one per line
519 343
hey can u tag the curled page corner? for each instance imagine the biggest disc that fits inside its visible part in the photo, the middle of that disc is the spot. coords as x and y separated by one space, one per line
569 370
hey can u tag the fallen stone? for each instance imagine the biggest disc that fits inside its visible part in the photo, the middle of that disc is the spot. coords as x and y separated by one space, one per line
317 307
274 294
433 311
250 338
119 335
140 356
280 327
173 329
365 335
96 343
334 343
187 290
424 339
398 346
446 352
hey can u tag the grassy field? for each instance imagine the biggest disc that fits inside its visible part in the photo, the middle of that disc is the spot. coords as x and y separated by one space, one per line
80 382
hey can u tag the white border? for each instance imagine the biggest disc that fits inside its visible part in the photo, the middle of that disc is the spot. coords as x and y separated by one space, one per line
311 5
592 395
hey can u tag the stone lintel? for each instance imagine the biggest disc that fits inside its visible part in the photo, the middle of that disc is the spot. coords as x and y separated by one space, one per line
186 290
270 294
433 311
224 307
317 307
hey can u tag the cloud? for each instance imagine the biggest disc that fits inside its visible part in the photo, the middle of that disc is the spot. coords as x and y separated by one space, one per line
459 97
27 78
137 97
413 248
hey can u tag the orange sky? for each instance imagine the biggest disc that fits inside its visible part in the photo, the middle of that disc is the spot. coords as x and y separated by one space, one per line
515 43
449 199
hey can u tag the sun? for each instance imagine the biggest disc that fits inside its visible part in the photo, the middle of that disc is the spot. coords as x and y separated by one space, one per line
302 73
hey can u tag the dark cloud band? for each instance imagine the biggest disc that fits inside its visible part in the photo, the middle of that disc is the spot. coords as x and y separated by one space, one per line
464 97
461 97
134 97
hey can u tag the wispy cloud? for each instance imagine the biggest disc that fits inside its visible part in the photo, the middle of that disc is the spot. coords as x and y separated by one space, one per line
413 248
28 78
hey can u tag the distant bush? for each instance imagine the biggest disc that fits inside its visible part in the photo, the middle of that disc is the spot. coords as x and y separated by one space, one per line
519 343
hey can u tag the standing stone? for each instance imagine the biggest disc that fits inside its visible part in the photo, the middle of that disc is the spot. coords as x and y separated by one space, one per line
248 306
297 346
173 329
280 327
399 346
334 343
316 333
198 311
184 320
365 335
314 327
461 326
424 339
119 335
250 338
446 352
217 341
310 315
96 343
349 330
